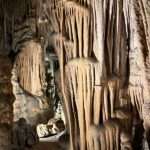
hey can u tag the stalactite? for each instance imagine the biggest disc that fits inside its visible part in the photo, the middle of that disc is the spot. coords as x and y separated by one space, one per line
81 77
92 81
103 52
108 136
30 68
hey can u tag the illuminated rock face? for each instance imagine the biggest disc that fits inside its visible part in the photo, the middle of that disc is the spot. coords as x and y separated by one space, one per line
6 100
103 51
30 69
28 80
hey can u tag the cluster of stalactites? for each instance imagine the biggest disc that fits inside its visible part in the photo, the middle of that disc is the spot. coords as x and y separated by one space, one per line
102 54
95 102
84 32
30 68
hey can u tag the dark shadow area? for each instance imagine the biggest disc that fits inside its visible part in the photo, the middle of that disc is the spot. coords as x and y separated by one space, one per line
23 135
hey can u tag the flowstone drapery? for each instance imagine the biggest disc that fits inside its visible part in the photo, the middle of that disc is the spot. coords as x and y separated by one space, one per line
103 51
28 80
30 69
104 60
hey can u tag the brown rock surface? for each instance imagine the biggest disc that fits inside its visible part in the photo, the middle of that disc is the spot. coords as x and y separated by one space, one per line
6 100
103 49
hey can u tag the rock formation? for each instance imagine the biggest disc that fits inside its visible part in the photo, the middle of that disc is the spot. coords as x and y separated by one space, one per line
103 52
30 68
6 101
23 135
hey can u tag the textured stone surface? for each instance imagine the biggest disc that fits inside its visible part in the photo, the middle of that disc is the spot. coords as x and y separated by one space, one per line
5 137
28 80
103 50
6 100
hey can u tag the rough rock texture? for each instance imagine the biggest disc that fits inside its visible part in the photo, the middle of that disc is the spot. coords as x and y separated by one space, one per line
6 96
29 65
28 81
103 51
23 135
5 136
6 100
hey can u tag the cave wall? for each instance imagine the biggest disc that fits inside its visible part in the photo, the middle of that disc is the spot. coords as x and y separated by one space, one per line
103 52
6 101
